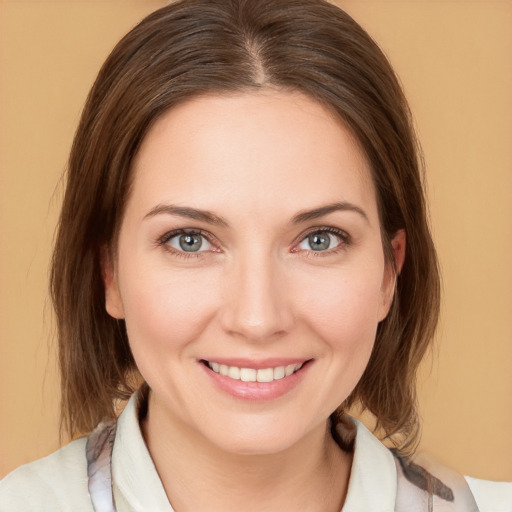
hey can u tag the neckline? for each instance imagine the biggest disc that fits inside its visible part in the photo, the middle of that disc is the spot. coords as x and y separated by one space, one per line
371 486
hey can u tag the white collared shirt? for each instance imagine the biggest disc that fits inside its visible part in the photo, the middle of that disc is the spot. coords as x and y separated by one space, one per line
59 482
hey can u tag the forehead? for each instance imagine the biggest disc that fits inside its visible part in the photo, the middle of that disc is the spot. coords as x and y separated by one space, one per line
267 149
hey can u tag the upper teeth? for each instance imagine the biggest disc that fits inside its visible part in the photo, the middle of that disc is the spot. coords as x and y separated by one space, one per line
253 375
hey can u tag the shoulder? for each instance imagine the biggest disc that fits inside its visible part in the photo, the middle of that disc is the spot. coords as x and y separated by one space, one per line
55 483
450 490
491 496
382 479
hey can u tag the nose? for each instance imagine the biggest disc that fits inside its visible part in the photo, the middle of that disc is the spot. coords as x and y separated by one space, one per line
256 305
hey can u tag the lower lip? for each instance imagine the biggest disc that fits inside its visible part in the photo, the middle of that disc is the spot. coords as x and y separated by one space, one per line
256 391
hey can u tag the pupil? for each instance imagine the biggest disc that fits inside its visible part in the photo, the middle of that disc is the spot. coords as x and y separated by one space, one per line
190 243
319 242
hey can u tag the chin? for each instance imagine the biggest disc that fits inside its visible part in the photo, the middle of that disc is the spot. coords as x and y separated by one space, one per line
257 445
257 436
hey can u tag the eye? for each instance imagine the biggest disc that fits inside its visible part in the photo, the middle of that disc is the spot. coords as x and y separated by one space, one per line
322 240
191 241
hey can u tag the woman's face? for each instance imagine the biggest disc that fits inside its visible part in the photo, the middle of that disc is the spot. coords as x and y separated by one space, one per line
250 248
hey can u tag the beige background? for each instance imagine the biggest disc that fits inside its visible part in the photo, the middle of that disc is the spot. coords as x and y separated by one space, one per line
455 61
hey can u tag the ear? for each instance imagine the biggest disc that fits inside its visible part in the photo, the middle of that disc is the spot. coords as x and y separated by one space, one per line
391 272
113 302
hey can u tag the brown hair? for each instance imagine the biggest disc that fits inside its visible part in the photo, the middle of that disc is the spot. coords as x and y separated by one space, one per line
193 47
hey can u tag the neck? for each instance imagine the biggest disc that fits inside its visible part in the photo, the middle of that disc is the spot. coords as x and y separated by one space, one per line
311 475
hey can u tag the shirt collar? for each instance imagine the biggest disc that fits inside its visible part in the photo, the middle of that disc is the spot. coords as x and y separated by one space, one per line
373 481
137 486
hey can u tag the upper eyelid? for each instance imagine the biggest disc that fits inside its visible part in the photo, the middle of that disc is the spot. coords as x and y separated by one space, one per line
169 235
323 229
345 237
184 231
212 239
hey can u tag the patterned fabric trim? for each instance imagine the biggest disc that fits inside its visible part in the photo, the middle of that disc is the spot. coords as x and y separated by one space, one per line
423 485
99 461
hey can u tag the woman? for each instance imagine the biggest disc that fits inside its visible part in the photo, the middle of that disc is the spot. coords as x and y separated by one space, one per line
244 241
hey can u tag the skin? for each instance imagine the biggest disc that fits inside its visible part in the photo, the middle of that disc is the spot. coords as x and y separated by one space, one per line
255 290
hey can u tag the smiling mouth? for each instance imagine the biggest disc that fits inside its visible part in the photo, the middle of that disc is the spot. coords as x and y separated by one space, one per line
254 375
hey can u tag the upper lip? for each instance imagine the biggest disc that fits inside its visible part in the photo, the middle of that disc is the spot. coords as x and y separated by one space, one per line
257 364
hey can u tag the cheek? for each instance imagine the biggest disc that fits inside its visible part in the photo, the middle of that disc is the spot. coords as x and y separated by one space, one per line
342 311
345 301
165 310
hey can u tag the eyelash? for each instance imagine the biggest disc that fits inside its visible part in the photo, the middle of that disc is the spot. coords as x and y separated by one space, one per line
345 238
164 239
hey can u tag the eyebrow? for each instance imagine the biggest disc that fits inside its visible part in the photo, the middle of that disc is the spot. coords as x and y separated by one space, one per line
212 218
187 212
316 213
